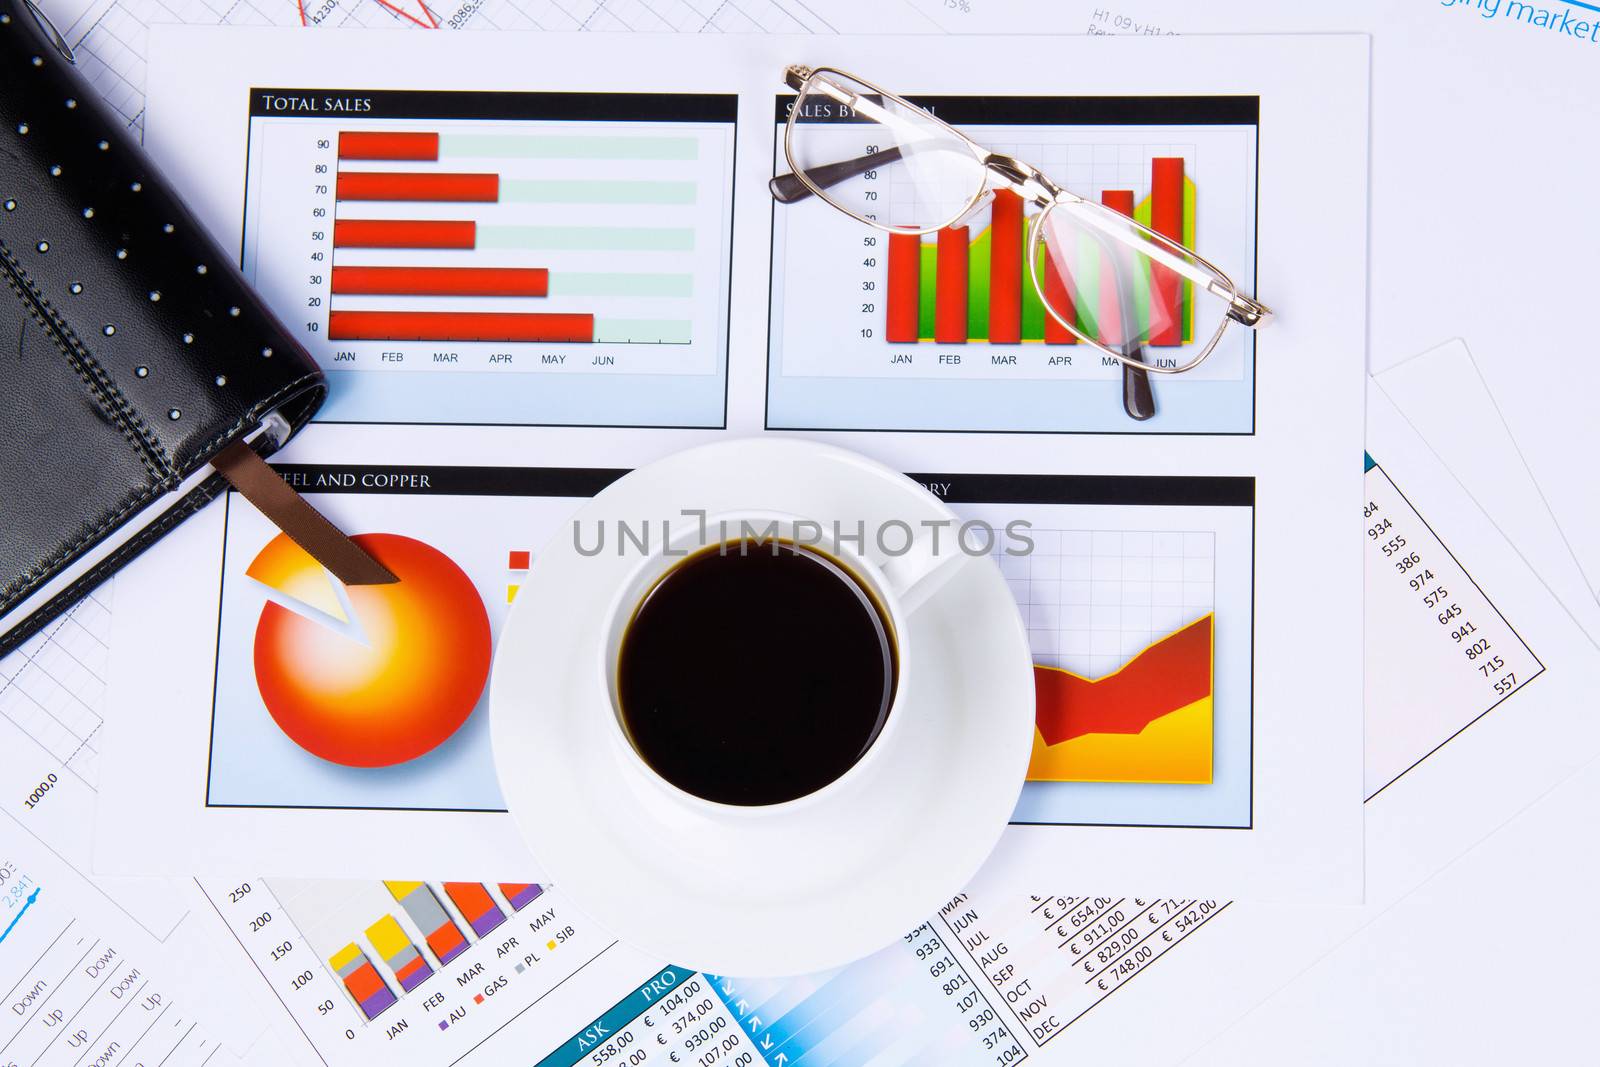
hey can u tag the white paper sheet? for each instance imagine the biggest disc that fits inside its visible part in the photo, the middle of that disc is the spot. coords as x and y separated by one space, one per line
1425 979
1280 817
1037 973
1487 761
154 930
1443 394
1463 245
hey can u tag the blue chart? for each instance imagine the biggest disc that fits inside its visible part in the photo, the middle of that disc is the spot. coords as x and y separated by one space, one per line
27 902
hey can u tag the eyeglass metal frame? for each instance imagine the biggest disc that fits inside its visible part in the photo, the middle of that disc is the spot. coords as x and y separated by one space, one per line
1035 187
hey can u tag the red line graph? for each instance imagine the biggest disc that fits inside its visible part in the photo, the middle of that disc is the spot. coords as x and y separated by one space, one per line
427 19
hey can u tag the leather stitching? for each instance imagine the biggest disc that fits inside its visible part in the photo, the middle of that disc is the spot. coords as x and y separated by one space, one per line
41 572
203 494
111 397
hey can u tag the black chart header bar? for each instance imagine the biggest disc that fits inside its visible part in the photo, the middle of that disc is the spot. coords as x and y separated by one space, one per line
358 104
1062 110
951 488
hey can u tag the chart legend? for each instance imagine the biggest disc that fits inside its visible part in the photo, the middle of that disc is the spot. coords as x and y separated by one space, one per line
502 257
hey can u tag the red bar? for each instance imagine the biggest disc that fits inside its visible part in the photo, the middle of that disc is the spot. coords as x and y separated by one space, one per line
404 974
1005 268
905 280
410 146
1166 218
1110 321
1058 296
402 185
363 981
403 233
458 326
950 287
442 281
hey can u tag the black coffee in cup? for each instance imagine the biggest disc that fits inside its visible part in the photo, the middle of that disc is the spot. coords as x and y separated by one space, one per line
755 672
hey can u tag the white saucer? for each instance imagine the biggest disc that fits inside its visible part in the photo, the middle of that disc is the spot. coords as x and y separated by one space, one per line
765 893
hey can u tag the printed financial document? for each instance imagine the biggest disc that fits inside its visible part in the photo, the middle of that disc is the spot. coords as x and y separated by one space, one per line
425 972
1146 556
129 42
93 968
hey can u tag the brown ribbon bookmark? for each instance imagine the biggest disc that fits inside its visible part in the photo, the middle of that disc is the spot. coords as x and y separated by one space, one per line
258 483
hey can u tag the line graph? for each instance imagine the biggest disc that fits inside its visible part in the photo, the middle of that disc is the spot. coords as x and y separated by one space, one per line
33 898
111 38
424 16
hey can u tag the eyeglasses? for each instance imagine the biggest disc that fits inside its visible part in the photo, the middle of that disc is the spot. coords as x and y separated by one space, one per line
1108 279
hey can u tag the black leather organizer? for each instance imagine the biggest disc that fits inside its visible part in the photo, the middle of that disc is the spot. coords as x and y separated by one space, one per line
133 349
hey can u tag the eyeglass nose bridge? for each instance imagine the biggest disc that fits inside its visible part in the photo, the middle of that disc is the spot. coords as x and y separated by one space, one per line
1025 179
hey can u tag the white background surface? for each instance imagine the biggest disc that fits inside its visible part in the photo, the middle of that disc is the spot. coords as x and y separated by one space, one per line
1482 169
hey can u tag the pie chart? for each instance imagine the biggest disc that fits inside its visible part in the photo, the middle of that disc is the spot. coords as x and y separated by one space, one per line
385 682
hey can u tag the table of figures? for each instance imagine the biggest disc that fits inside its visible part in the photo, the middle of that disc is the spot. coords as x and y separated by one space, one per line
1049 960
974 984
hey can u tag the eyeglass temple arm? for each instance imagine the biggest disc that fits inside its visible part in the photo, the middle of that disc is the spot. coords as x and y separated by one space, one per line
1138 398
788 188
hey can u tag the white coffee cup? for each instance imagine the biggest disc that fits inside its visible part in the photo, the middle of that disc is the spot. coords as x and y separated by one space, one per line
899 586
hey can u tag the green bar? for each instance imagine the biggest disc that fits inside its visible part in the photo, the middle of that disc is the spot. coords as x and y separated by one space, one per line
571 283
1187 287
1086 289
643 331
1141 283
978 287
925 291
550 191
1033 312
588 238
562 146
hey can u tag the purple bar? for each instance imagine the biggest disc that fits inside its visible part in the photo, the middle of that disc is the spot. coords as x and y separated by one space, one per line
521 896
414 972
382 999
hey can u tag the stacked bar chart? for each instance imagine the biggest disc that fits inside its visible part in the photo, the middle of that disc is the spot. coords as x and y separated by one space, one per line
946 330
385 940
454 247
361 979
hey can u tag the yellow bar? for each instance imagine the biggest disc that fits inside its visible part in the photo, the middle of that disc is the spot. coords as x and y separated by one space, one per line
387 937
344 956
399 889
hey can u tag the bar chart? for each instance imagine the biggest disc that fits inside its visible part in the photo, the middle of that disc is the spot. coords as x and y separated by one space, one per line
959 287
947 331
385 940
394 972
487 257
